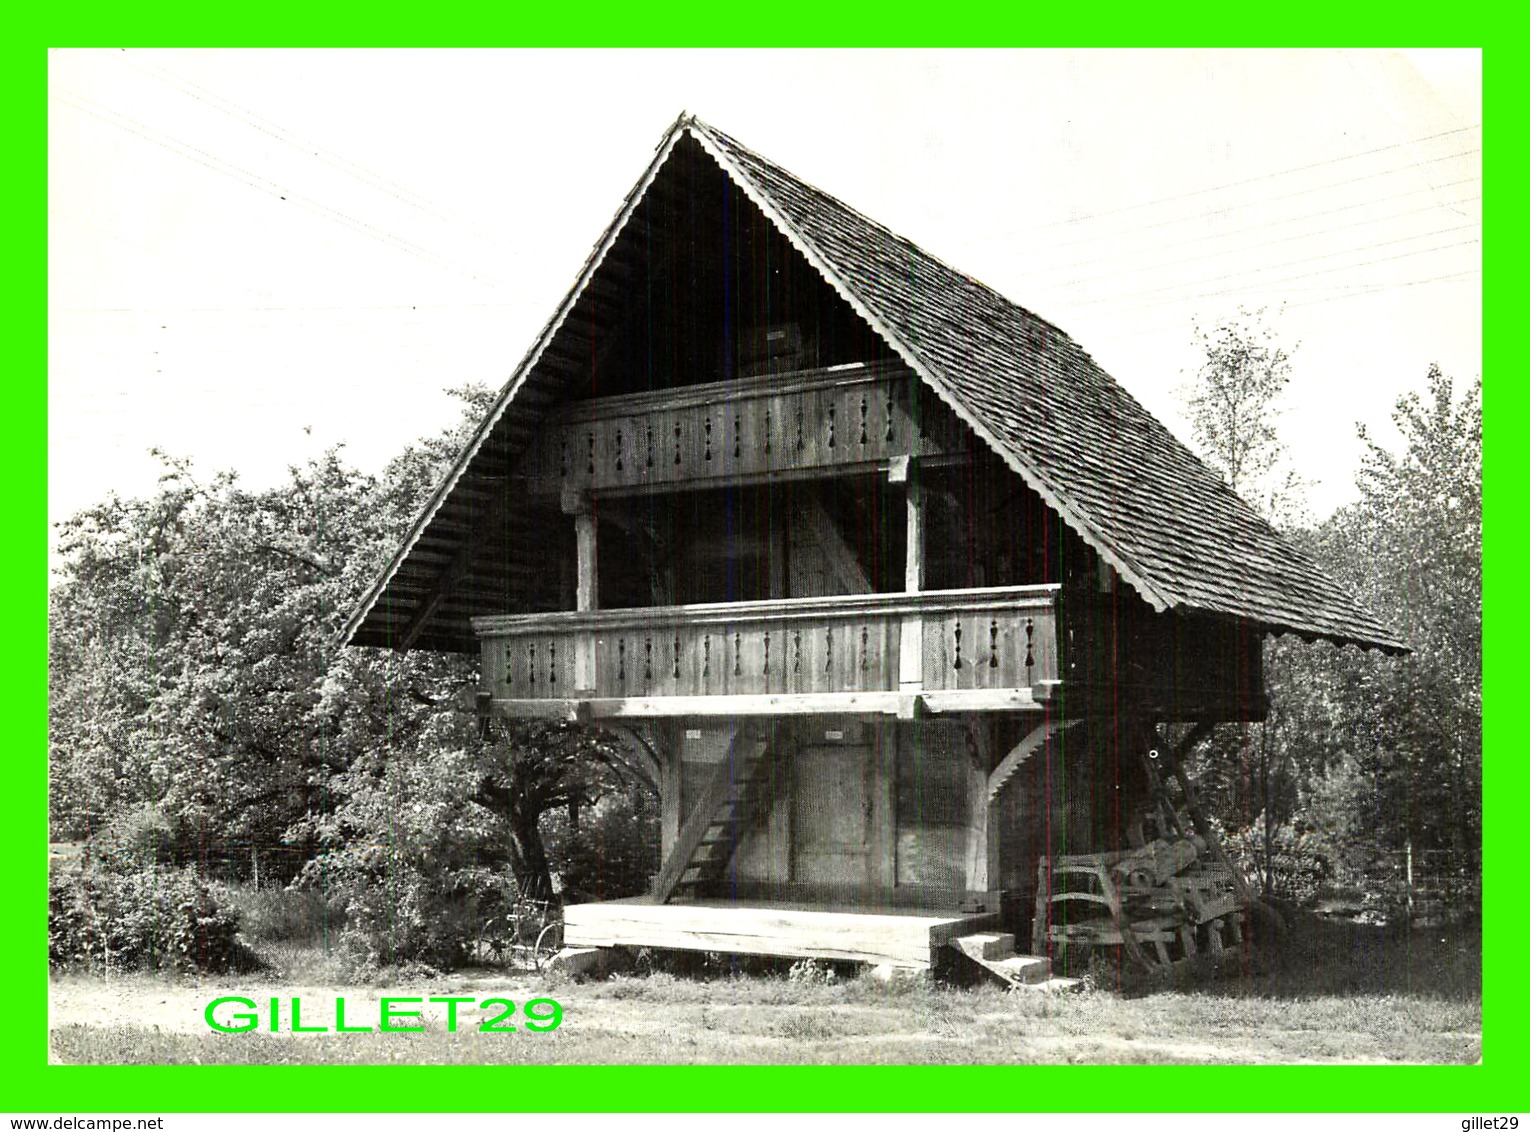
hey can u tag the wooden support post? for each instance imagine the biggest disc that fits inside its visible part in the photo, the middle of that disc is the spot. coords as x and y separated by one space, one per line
985 846
586 598
586 594
672 755
982 828
904 470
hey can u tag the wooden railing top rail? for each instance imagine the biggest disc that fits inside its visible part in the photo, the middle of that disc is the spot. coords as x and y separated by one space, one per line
848 606
721 392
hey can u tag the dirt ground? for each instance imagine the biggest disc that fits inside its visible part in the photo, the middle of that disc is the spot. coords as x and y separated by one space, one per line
179 1006
660 1019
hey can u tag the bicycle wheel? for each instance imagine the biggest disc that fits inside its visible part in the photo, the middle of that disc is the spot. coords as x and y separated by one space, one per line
549 943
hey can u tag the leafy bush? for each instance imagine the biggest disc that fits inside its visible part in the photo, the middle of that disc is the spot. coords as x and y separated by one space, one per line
811 973
138 838
614 852
414 861
399 912
1300 864
285 915
159 919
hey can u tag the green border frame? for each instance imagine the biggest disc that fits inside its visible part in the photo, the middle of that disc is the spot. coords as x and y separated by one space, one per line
34 1086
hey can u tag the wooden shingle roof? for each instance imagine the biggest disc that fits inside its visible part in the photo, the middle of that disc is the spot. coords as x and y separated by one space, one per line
1165 522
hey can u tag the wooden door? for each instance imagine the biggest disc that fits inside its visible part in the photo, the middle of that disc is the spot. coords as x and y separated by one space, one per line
832 816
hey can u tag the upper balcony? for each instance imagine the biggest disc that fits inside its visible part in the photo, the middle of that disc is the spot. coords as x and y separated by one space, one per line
849 418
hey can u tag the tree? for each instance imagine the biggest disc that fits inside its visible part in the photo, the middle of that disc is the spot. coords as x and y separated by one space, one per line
199 691
1234 405
194 665
191 636
537 768
1412 549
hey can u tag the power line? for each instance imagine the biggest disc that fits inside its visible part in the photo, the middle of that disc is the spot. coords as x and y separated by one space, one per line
254 180
146 249
1220 252
1180 296
1376 289
1237 205
1157 327
1296 263
1190 241
380 308
308 148
1261 177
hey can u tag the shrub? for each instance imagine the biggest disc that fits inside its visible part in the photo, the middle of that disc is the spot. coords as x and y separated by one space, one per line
614 852
159 919
1300 864
399 911
811 973
138 838
285 915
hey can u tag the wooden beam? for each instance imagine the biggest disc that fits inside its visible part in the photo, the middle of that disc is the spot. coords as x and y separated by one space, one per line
905 940
566 710
982 831
985 846
586 590
911 627
587 597
813 520
671 750
898 704
808 703
1033 741
978 699
855 896
543 486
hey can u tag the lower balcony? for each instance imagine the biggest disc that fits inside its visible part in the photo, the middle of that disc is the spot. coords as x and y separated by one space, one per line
896 654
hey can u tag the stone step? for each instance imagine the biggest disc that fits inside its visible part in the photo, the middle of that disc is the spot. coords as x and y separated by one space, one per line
987 945
1055 985
575 960
995 952
1028 969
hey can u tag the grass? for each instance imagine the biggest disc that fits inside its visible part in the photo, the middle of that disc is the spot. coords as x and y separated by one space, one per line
1333 993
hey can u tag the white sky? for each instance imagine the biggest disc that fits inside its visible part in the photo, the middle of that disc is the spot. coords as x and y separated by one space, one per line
258 254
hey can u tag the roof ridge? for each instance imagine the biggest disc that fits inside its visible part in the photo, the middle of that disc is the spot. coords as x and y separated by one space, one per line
873 222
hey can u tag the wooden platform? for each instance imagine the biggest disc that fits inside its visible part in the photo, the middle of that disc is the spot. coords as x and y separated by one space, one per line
901 938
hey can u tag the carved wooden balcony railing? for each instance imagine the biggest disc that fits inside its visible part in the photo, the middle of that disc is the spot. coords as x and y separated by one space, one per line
953 650
840 419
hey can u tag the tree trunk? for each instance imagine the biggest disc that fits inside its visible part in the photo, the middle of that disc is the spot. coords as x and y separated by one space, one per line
528 856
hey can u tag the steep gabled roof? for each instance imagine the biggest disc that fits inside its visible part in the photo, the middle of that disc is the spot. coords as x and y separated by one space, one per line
1168 525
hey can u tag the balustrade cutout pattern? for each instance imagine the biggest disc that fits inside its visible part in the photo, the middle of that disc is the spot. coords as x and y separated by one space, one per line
793 646
821 418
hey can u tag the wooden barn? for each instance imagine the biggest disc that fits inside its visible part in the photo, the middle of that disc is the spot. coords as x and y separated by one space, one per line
895 587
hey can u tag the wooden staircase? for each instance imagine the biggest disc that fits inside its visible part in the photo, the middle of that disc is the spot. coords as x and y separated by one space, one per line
719 819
